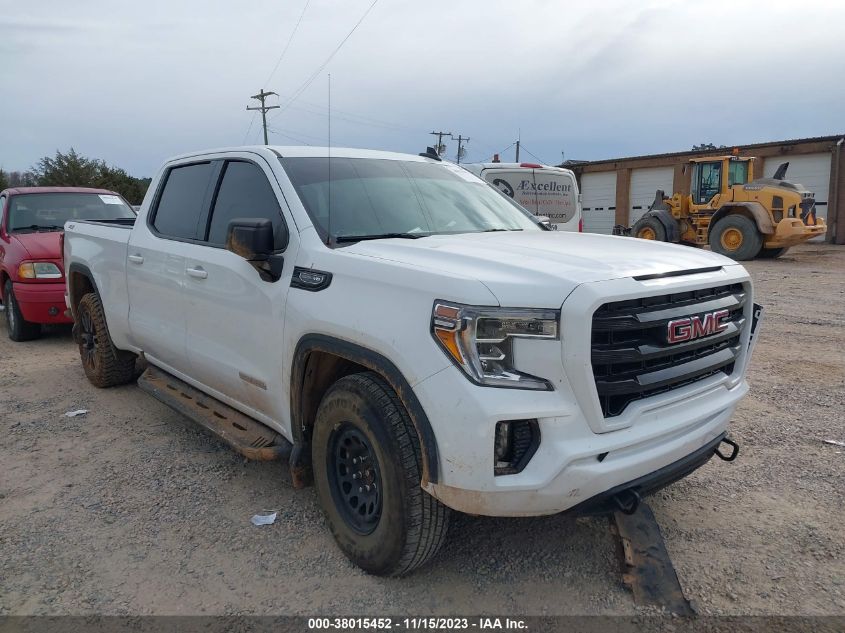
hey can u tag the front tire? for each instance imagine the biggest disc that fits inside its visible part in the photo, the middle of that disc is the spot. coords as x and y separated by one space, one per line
649 228
104 364
367 468
737 237
18 328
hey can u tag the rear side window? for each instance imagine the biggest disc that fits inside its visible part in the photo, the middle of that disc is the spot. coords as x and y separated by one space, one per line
245 192
181 202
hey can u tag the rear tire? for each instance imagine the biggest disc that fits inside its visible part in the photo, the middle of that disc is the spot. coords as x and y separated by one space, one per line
772 253
18 328
649 228
737 237
104 364
367 468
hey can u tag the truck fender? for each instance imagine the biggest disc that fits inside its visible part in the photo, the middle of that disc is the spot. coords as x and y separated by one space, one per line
79 281
754 210
673 231
306 371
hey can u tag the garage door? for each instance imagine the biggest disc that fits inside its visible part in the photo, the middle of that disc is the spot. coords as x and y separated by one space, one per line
598 202
644 184
812 171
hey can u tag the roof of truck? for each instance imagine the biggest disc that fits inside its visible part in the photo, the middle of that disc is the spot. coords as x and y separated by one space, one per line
19 190
514 166
303 151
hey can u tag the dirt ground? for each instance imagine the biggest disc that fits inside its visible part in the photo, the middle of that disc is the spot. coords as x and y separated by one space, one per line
132 510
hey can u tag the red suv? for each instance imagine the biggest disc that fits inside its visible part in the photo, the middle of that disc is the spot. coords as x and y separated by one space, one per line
32 280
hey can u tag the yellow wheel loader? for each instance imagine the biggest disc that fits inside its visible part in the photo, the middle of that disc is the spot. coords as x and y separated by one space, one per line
736 215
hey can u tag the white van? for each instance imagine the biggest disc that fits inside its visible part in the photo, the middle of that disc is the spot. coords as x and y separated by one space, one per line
550 192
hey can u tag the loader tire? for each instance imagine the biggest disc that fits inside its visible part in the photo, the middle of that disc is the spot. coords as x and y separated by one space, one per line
772 253
737 237
649 228
367 470
104 364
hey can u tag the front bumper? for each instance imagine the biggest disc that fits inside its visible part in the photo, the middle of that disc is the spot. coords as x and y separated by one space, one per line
572 463
581 453
42 303
792 231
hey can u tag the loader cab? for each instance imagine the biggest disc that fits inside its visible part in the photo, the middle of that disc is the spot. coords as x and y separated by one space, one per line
713 176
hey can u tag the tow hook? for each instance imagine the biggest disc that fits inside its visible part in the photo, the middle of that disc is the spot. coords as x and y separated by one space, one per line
734 450
627 501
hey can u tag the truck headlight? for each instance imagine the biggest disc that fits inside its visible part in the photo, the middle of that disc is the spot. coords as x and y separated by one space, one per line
480 340
39 270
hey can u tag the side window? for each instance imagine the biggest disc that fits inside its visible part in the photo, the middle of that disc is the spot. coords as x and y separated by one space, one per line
244 192
2 209
737 173
180 204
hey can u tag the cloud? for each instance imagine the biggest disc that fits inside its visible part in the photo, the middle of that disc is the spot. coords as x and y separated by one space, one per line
135 83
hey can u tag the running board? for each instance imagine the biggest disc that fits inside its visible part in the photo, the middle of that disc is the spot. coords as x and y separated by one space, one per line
247 436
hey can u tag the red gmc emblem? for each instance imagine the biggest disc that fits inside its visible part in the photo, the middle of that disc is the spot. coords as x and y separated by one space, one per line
690 328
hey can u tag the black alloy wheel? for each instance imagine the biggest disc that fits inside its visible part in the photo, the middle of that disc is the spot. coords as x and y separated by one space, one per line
355 478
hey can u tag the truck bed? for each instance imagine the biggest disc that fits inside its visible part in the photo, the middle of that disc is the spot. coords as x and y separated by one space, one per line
99 248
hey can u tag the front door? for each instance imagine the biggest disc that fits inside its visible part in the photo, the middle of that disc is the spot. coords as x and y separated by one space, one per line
706 181
234 319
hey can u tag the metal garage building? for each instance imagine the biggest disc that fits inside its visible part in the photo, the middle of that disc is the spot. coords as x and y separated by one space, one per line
619 190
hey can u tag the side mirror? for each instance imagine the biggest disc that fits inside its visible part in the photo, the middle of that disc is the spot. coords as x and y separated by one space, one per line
251 238
545 220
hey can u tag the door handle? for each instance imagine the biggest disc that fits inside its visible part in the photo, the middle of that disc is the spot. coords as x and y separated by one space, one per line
136 259
197 272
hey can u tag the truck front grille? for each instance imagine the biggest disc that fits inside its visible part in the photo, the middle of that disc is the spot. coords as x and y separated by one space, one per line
632 358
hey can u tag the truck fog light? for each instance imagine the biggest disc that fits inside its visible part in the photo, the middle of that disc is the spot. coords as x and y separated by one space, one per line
515 443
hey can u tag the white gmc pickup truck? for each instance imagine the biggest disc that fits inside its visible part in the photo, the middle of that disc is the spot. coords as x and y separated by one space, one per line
412 340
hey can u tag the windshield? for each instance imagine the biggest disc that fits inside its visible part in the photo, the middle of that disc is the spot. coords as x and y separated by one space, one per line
50 211
378 197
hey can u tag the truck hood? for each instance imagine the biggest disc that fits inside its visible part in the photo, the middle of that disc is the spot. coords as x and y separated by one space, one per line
44 245
539 268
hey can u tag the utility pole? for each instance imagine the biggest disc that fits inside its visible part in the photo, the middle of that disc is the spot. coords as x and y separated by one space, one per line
260 97
517 150
440 136
461 140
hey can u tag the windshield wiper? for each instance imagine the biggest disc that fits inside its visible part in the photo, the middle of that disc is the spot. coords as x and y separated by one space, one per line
382 236
39 227
496 230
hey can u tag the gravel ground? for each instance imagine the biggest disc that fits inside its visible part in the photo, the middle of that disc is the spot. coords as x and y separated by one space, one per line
132 510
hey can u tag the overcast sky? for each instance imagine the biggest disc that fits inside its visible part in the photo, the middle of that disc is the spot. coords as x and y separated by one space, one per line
136 82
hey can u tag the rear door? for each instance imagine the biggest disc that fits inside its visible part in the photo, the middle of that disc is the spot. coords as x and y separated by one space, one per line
557 198
155 267
235 320
515 183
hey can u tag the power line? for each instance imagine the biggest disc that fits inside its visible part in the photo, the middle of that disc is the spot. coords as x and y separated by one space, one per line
534 155
261 96
293 138
310 80
251 121
290 39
